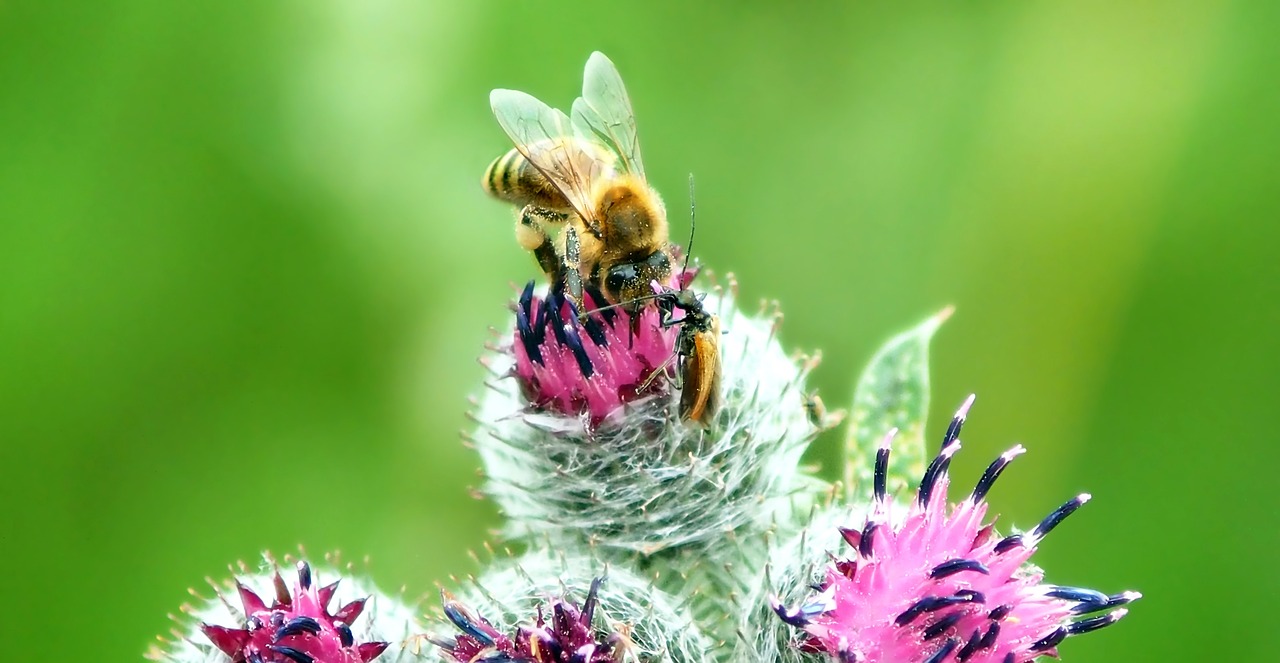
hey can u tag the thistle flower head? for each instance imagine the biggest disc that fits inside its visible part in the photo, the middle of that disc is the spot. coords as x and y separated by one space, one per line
566 637
588 366
930 582
295 623
641 479
545 608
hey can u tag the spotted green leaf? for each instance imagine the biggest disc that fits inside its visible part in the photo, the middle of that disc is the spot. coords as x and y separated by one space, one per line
893 392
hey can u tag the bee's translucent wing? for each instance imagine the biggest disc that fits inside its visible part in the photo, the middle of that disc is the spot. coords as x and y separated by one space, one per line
545 137
603 113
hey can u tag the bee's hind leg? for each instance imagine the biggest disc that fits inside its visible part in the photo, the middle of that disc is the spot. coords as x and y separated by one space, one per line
532 236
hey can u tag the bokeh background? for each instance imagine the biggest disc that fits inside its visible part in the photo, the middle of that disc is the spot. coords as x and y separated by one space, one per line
246 269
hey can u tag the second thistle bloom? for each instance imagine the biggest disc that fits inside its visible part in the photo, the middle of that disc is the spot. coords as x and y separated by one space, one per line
932 582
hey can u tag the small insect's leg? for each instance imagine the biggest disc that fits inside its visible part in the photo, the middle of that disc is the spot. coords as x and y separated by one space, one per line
676 382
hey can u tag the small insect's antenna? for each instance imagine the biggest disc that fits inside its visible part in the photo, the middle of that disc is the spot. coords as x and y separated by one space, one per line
688 250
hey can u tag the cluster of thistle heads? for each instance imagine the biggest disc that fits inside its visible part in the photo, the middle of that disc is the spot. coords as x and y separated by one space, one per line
649 534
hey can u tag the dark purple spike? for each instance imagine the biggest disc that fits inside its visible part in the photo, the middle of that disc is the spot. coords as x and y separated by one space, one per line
954 566
589 605
1000 612
971 595
942 626
1094 623
989 638
1050 641
298 626
797 616
1008 543
936 470
993 472
1087 598
927 604
865 548
524 331
957 422
1010 658
943 653
597 300
466 623
569 337
304 575
292 654
345 636
970 646
595 331
1060 514
881 476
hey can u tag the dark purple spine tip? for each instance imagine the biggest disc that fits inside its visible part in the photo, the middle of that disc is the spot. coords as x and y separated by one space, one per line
463 621
992 473
304 575
1094 623
345 636
292 654
1000 612
1050 641
595 331
937 468
865 547
1087 599
1059 514
792 616
954 566
1008 543
942 654
941 626
970 646
298 626
927 604
989 638
881 477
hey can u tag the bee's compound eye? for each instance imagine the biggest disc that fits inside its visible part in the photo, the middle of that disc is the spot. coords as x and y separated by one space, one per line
658 264
619 277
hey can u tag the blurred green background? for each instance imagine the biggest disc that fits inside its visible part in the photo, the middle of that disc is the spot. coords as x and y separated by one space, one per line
246 268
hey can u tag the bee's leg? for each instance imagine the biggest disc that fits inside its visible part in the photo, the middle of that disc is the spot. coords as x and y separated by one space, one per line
572 266
532 236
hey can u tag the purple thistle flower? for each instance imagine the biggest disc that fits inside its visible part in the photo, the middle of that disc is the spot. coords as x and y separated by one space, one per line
938 584
567 637
296 628
592 365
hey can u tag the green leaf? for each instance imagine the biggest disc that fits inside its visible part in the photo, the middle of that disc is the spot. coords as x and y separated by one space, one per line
893 392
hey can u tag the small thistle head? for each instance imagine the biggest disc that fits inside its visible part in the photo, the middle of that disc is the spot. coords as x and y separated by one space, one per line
588 366
929 582
561 631
293 624
543 608
642 479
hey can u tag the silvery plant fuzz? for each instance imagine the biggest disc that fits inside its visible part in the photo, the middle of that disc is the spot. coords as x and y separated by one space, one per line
298 615
641 434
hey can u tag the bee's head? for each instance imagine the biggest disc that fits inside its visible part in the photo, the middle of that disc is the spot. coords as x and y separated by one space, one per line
629 281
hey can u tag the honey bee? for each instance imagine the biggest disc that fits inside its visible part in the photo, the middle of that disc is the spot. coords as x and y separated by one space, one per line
587 212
